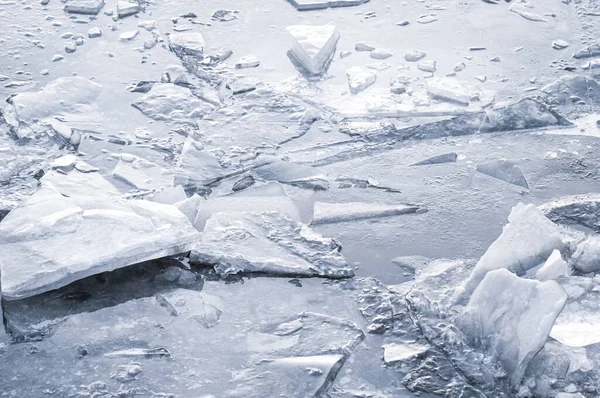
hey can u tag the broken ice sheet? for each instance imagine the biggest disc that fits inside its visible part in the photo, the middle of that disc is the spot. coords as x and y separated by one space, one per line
187 44
329 213
526 241
576 210
172 103
47 244
307 5
196 166
360 78
314 46
267 242
512 318
293 174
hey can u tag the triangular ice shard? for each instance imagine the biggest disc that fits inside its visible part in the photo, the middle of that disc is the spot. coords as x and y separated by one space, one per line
314 46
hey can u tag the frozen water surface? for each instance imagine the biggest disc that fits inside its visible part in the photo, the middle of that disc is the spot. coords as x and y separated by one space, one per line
300 198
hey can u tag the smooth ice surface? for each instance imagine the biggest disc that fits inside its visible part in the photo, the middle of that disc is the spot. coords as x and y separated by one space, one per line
512 318
314 46
267 242
329 213
526 241
140 173
47 241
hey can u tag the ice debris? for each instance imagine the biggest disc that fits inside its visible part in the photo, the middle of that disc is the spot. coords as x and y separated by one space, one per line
314 46
267 242
399 352
578 210
47 241
187 44
569 89
592 50
248 61
329 213
126 8
447 89
445 158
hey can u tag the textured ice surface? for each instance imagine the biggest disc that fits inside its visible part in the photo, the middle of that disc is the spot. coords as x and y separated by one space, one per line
170 102
582 210
47 241
512 318
267 242
328 213
314 46
587 255
569 89
360 78
526 241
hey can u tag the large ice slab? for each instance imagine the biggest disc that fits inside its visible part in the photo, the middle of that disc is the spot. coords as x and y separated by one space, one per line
512 318
307 5
329 213
526 241
50 240
267 242
447 89
314 46
293 174
141 173
64 97
171 102
91 7
570 89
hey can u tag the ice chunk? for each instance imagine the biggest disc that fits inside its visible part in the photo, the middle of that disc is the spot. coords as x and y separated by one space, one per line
560 44
171 102
526 241
522 8
196 166
91 7
314 46
129 35
553 268
61 97
248 61
125 9
577 325
504 170
587 255
414 56
380 53
512 318
398 352
141 173
293 174
267 242
94 32
427 66
445 158
447 89
362 46
329 213
241 203
190 207
187 43
360 78
307 5
170 196
50 241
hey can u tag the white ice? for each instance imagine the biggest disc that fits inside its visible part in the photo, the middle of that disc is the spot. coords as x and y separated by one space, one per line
314 46
329 213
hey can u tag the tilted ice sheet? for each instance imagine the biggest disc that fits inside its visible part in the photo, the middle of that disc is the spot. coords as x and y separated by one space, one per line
329 213
512 318
50 240
314 46
267 242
